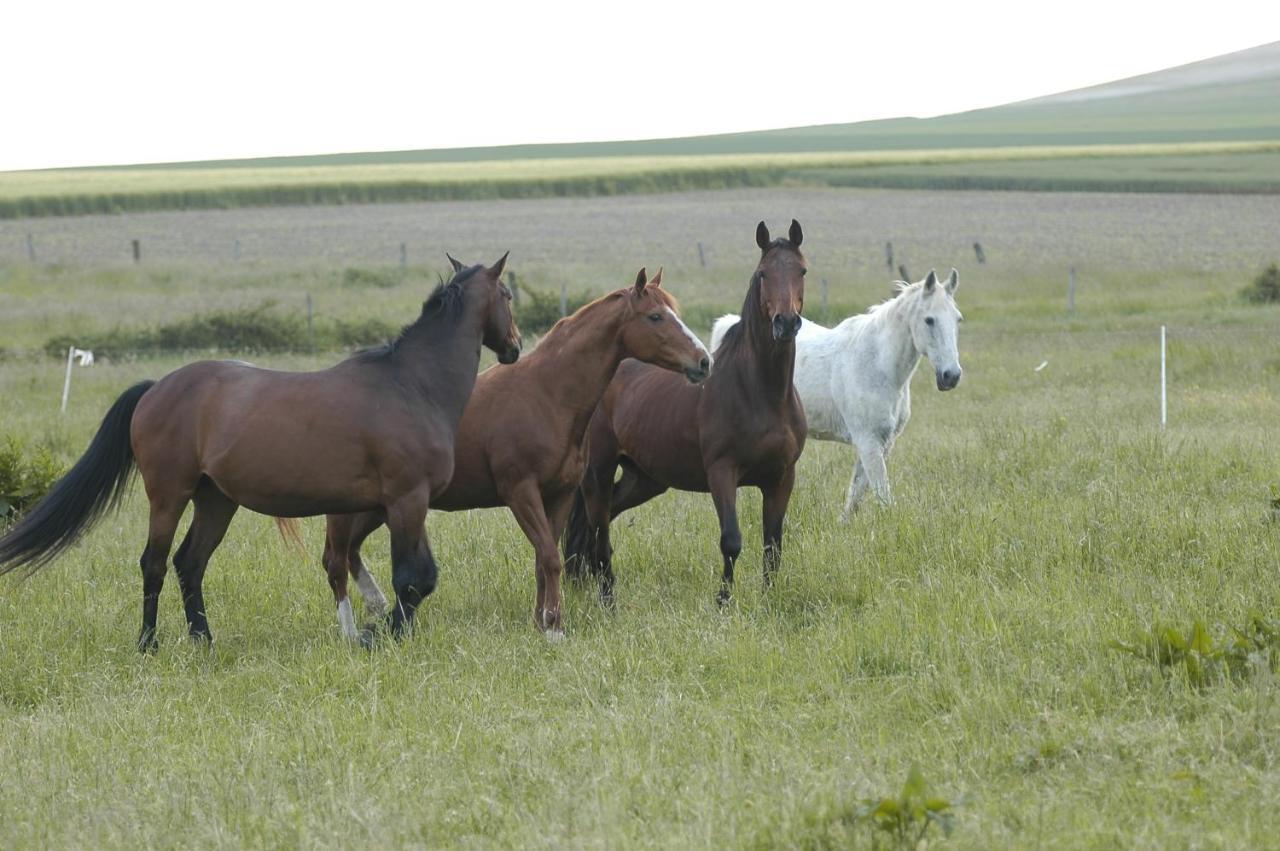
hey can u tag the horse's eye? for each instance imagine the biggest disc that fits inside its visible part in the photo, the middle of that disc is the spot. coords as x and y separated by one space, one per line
928 320
804 272
655 317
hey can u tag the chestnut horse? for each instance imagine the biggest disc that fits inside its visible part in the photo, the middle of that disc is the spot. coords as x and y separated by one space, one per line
520 441
744 426
373 432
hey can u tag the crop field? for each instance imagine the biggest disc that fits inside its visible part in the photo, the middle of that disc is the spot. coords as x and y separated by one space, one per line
1042 515
1202 166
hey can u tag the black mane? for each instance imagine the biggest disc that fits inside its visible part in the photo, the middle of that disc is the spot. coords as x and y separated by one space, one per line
445 302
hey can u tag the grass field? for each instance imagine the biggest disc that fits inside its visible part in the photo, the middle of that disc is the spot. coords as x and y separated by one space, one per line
1040 515
1248 166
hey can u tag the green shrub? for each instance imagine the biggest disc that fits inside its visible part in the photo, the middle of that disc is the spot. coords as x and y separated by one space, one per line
1265 288
380 278
248 330
24 480
538 311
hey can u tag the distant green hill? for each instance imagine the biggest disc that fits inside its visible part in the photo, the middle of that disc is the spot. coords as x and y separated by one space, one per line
1235 97
1211 126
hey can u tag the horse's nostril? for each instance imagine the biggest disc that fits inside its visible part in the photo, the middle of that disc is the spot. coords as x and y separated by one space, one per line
704 364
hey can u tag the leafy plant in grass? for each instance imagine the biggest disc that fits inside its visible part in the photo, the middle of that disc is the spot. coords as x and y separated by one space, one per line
905 819
24 480
1265 288
1205 660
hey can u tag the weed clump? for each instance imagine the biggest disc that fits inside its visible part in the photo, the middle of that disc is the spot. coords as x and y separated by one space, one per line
1265 288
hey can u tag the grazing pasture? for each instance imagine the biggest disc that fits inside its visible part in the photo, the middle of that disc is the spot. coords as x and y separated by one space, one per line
1040 515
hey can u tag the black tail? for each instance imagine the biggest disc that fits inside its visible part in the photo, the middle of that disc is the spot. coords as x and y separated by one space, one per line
579 540
95 484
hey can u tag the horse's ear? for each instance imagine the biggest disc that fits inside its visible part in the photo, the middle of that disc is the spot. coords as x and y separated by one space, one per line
930 281
795 235
457 266
953 281
497 268
641 280
762 236
657 279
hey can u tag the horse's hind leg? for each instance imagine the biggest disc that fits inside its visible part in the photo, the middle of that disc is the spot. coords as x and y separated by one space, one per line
343 535
857 490
375 602
213 514
525 502
775 502
413 568
166 511
723 483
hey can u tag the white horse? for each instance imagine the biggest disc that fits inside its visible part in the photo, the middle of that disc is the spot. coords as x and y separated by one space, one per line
854 380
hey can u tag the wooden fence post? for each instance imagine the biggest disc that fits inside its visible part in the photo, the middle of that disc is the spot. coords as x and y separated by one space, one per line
1071 290
702 256
404 256
888 256
979 253
137 251
31 248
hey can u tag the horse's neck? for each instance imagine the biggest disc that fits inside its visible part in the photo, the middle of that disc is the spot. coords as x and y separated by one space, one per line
439 358
895 351
577 360
772 361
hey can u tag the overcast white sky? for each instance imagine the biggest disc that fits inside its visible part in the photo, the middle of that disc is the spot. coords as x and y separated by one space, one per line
138 81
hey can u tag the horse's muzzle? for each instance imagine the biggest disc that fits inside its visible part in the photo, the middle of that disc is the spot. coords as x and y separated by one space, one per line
948 378
698 374
786 327
510 354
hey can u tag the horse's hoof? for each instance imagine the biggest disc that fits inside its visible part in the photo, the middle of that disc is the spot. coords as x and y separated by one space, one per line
555 636
723 597
369 638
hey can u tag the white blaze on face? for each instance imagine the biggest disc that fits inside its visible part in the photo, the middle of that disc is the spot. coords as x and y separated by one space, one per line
688 333
347 620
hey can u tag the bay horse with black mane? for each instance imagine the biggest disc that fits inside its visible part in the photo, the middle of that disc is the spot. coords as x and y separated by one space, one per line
520 443
743 427
374 432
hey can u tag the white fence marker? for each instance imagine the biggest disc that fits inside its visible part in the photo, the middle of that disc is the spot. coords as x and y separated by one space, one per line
1164 396
86 359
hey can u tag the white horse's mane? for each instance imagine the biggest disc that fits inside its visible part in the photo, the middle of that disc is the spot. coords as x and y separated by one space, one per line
900 289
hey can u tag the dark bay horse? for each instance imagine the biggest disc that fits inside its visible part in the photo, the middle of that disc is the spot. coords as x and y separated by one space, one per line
520 441
743 427
376 431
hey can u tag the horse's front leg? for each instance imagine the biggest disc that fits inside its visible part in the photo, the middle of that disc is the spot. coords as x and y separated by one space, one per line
723 483
413 568
775 502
